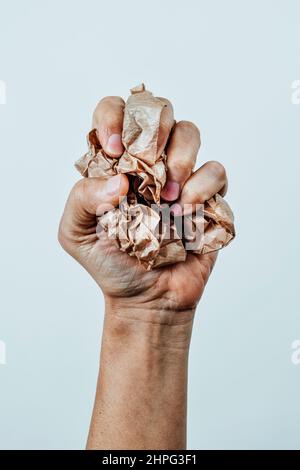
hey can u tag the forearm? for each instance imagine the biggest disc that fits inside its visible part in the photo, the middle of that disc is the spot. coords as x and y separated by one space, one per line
142 387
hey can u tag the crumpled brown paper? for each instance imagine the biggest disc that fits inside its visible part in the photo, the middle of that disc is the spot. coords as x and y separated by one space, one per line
138 224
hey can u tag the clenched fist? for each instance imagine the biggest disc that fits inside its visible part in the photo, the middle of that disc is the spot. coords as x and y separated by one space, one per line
124 282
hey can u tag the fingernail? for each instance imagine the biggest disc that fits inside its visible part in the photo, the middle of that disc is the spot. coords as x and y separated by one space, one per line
114 144
171 191
176 210
113 185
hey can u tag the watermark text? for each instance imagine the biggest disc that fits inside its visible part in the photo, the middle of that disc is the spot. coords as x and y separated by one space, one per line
295 357
2 92
2 353
295 96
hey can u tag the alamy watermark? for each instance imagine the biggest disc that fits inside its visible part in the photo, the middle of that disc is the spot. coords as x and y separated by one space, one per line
2 353
295 357
295 95
2 92
138 222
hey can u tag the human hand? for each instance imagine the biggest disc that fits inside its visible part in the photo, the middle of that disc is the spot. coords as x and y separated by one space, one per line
127 286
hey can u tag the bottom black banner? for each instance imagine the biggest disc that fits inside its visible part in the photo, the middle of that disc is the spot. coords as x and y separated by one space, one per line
134 459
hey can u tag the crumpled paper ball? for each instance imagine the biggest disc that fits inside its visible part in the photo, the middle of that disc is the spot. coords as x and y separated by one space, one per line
142 225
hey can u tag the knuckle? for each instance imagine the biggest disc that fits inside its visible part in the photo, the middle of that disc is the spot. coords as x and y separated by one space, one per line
189 128
189 134
62 236
183 166
77 194
217 169
191 194
116 103
196 193
204 196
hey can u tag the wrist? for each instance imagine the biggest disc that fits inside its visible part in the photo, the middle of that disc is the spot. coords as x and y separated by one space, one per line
142 389
151 324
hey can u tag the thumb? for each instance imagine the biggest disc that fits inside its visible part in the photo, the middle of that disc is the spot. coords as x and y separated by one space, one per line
89 197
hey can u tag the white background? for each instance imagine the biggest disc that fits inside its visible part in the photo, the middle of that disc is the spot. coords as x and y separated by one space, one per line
226 65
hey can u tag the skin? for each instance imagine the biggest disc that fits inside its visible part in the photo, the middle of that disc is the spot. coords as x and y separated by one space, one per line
141 394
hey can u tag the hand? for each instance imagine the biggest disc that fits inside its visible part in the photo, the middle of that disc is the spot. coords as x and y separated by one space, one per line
149 314
126 285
